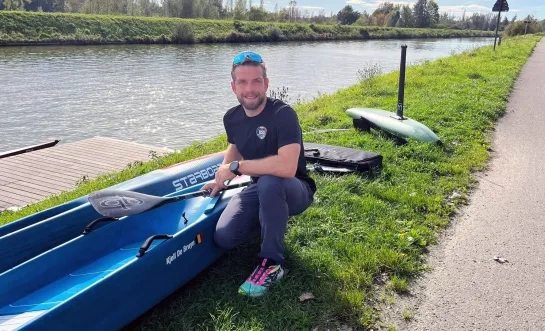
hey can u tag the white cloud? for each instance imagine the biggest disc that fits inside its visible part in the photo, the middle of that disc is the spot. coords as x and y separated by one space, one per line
376 3
469 9
454 10
310 7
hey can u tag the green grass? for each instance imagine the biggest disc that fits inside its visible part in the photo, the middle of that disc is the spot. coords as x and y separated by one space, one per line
63 28
361 229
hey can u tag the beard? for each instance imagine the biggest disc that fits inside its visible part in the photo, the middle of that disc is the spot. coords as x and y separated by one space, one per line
252 104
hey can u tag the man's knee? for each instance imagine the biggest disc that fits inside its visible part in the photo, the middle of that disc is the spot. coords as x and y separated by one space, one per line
270 184
224 239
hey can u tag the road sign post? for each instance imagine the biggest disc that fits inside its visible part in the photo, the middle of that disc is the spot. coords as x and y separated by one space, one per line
499 6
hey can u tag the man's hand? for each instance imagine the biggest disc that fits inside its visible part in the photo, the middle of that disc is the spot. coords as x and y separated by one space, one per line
212 187
223 174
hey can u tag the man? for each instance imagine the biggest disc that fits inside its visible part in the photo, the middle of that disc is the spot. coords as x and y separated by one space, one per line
265 142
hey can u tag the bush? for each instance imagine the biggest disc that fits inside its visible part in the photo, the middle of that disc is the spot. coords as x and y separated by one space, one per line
518 28
275 34
183 33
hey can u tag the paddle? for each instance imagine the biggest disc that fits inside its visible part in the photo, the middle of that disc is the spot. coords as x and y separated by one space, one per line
323 169
119 203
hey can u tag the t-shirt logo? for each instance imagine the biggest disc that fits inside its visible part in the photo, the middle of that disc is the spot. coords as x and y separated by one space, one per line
261 132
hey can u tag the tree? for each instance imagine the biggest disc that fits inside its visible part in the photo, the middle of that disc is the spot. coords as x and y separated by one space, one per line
15 4
257 14
433 12
292 11
74 6
406 19
392 18
209 9
364 19
240 10
420 13
504 23
347 15
187 8
384 8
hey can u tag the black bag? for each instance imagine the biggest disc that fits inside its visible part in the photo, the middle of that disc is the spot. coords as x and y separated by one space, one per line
328 158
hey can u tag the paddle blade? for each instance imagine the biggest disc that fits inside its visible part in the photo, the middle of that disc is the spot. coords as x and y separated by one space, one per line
118 203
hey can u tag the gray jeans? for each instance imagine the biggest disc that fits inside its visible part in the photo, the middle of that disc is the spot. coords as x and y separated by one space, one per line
263 207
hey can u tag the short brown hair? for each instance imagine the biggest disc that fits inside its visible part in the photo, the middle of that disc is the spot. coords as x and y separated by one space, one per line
250 63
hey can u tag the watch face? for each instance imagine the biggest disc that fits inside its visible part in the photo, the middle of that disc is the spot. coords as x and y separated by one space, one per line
233 166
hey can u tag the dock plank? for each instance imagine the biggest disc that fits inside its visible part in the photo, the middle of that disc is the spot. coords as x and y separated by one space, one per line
37 176
13 199
20 193
108 147
97 147
54 184
61 162
51 171
72 161
47 164
25 170
30 177
99 158
78 156
31 187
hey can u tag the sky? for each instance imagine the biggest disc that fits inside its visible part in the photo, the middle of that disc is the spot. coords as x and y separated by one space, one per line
521 8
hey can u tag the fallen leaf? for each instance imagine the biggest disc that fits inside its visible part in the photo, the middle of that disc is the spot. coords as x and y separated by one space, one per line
306 296
455 195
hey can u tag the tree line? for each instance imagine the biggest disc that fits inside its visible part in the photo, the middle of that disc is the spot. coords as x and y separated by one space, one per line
423 14
209 9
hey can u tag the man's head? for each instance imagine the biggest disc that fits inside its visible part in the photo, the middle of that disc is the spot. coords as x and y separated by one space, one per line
250 82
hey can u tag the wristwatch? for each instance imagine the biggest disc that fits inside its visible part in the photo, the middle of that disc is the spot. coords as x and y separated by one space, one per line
233 166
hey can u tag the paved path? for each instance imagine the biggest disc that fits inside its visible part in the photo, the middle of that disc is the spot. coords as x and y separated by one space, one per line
468 289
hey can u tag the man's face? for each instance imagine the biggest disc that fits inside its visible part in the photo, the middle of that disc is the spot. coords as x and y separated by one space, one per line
249 86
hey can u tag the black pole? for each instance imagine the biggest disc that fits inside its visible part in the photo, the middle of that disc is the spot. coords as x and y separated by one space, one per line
401 93
498 23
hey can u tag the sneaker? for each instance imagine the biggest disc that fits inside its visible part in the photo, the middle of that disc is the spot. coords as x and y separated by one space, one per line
264 276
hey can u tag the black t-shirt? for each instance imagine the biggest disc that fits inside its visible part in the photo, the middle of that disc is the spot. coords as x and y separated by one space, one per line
262 135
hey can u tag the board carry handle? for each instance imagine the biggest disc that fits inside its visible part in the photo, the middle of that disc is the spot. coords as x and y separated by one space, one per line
148 242
95 222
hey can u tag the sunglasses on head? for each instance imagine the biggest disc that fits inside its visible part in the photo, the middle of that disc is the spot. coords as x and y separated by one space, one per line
247 57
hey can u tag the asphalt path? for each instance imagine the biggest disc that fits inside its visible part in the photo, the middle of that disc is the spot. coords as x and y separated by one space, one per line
467 288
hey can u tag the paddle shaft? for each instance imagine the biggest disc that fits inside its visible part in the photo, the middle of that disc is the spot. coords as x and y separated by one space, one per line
118 203
199 194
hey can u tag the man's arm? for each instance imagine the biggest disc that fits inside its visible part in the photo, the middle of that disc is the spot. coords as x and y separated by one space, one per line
231 154
282 165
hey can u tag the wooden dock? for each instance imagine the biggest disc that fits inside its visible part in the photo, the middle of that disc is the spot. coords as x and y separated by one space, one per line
31 177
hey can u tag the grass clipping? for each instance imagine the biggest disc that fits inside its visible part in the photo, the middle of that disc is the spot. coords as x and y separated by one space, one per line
362 232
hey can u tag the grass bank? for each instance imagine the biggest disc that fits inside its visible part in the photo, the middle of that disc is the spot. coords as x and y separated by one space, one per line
363 234
60 28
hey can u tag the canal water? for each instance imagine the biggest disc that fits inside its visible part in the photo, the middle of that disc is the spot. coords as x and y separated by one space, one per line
172 95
